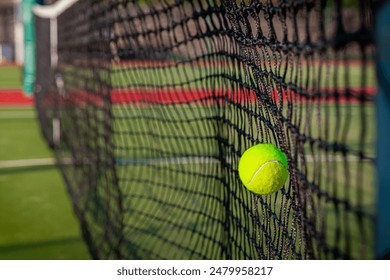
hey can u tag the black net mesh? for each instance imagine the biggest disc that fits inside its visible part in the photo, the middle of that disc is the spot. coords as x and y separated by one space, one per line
157 101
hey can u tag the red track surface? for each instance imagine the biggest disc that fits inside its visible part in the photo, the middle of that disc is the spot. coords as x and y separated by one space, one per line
166 96
175 96
15 97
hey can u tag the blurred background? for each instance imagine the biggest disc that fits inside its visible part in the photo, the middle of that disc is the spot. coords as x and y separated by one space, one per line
36 217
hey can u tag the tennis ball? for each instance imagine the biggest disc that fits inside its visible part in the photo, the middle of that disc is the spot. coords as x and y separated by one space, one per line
263 169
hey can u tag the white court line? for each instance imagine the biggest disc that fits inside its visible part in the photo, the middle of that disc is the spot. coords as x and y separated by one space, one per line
27 162
145 161
17 115
172 160
31 162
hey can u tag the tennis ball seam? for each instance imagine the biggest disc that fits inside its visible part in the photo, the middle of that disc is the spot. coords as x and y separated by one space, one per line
261 167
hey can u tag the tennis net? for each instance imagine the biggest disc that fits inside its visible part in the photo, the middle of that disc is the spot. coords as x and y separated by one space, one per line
150 104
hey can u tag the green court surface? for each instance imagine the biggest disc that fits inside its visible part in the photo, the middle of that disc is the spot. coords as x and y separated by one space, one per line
36 217
10 77
200 172
194 76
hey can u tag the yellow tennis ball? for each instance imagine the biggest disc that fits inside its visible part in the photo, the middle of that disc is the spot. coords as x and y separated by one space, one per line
263 169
